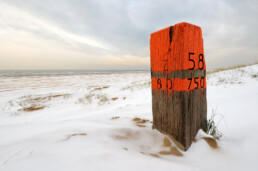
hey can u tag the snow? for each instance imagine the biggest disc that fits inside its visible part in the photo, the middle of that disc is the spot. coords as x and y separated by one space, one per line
79 127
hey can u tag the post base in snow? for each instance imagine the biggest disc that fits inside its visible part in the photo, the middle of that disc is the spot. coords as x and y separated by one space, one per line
179 119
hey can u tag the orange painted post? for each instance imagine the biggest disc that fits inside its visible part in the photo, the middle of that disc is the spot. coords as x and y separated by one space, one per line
178 75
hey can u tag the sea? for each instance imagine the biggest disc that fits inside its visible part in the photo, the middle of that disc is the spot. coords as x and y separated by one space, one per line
26 73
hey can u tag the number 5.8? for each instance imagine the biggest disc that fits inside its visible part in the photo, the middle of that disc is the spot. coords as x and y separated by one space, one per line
200 62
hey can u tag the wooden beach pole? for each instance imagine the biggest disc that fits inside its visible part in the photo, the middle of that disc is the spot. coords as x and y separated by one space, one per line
178 74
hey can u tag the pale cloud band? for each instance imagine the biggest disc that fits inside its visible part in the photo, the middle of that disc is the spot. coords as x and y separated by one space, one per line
115 34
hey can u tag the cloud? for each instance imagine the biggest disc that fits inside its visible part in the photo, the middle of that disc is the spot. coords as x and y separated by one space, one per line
94 31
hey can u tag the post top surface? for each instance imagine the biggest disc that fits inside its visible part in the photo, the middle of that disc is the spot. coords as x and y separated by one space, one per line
178 24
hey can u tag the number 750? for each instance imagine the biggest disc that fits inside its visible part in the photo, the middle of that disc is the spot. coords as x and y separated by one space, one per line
196 82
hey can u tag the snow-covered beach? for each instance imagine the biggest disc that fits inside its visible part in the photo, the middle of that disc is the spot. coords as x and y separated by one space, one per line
90 122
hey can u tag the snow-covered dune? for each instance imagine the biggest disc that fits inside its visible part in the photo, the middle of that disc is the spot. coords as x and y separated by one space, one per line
103 122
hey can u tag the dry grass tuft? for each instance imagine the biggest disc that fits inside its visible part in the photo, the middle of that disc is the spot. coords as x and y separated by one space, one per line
226 68
87 99
212 127
90 97
30 103
102 99
135 85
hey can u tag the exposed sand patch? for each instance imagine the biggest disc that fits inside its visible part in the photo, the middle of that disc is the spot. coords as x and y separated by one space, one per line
140 122
115 117
114 98
173 151
136 137
167 146
139 125
154 155
47 98
211 142
136 119
100 88
128 135
166 142
31 109
150 154
58 95
76 134
179 145
120 137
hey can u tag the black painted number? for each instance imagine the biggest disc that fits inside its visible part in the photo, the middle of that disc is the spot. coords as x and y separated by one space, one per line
170 88
201 62
165 66
159 84
202 82
189 57
190 79
196 82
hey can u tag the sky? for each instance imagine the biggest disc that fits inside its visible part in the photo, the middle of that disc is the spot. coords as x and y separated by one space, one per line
115 34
